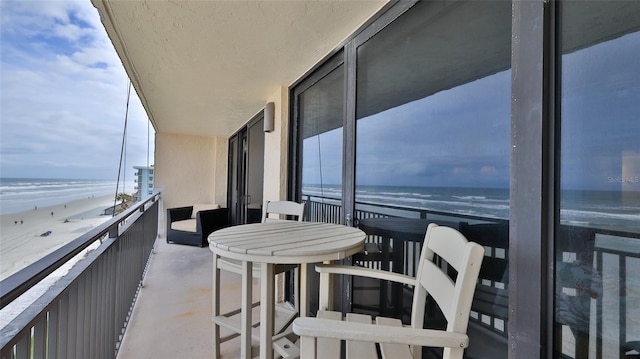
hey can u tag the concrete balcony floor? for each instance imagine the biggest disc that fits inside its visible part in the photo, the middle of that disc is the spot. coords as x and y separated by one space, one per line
172 316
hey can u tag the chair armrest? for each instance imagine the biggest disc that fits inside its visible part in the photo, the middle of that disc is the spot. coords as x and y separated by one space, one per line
365 272
178 213
333 329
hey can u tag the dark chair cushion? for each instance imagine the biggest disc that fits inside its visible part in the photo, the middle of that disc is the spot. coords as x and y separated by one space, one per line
207 222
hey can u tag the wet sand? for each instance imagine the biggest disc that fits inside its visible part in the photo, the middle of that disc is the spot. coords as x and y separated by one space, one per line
23 237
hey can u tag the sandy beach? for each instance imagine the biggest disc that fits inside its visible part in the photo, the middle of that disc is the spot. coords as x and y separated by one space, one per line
28 236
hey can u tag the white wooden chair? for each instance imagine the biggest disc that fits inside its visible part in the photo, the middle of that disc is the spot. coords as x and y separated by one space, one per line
280 210
320 337
271 211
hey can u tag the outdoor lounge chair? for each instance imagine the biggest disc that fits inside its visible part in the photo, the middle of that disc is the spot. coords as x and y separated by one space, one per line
321 337
193 224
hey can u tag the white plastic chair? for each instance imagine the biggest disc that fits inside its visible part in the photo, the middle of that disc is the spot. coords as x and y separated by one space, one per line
320 337
271 211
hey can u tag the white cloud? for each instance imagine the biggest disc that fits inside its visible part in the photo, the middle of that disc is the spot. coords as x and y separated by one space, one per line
64 94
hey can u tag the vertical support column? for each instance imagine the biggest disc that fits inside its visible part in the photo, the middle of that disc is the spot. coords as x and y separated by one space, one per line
532 182
622 304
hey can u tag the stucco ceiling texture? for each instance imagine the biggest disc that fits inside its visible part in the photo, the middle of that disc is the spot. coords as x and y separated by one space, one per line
207 67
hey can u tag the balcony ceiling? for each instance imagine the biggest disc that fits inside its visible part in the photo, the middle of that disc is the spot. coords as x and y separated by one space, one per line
206 67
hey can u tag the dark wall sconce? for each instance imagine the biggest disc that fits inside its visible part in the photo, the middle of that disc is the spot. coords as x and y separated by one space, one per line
269 114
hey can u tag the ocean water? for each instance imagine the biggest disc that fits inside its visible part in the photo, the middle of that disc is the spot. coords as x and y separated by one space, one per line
599 209
21 194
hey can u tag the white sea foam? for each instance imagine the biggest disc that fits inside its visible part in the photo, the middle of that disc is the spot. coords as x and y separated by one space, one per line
586 214
584 208
471 198
21 194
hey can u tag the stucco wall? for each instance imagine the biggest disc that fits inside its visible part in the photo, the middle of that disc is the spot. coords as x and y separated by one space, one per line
275 149
191 169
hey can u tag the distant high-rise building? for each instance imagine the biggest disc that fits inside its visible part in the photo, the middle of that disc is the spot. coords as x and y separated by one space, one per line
144 182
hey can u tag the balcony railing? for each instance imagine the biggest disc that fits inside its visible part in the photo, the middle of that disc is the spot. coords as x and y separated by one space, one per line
83 314
491 302
581 251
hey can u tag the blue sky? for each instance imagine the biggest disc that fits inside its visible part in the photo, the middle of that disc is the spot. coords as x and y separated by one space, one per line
433 141
64 95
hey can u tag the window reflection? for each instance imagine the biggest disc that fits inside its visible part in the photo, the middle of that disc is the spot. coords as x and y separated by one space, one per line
321 113
433 145
597 307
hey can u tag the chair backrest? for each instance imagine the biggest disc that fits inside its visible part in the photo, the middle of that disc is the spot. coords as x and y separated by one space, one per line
279 210
453 296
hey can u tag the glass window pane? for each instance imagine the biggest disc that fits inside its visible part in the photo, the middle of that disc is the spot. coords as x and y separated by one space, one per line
597 311
433 145
321 112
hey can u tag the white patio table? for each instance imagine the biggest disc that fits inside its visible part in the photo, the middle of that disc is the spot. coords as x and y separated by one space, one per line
282 242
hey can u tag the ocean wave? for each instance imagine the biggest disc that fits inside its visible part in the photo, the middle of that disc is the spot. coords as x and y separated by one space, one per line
18 195
582 208
407 194
55 192
471 198
585 214
40 187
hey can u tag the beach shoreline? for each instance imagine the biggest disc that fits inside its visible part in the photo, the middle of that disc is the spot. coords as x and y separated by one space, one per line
27 236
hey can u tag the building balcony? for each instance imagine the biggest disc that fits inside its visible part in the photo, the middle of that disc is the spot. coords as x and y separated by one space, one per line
572 287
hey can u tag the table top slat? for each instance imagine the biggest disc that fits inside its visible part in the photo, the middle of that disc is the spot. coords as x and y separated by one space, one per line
287 242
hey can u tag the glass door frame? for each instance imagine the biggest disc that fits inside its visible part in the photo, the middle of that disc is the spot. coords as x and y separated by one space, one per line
237 177
295 139
350 140
345 55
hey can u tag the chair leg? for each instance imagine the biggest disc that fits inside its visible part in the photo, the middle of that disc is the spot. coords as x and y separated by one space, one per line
326 291
296 288
453 353
245 314
267 293
304 290
307 347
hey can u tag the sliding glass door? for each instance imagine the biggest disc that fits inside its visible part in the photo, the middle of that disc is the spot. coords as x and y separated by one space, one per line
246 172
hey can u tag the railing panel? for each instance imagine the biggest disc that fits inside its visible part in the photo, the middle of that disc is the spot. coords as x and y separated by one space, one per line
93 314
84 313
612 321
52 332
490 311
72 319
39 337
87 322
63 325
22 348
